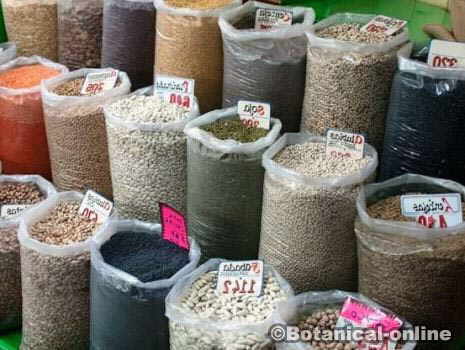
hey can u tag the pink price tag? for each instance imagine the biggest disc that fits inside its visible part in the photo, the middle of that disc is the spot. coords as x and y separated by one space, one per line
174 227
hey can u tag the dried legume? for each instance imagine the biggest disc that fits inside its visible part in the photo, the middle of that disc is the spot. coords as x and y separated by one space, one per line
234 130
26 76
199 4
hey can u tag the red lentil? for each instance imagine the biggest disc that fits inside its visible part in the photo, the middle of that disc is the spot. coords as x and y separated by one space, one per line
26 76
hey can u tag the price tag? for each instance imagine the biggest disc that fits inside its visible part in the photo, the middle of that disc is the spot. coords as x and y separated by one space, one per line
99 81
270 18
383 24
175 90
255 114
446 54
95 207
9 211
240 278
345 144
174 227
434 210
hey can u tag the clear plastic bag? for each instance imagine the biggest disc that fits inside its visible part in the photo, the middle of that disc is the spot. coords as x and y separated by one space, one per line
80 33
77 136
348 84
188 330
307 222
266 66
416 271
189 45
224 189
8 52
129 39
125 312
23 141
10 269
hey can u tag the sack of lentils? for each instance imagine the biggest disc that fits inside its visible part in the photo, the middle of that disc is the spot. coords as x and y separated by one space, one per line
417 271
23 141
128 42
202 319
55 274
224 183
189 45
76 133
32 25
133 269
17 193
147 150
255 59
318 313
309 211
7 52
349 76
80 33
425 127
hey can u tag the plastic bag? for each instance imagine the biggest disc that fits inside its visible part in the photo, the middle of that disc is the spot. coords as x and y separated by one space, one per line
189 45
32 25
348 84
416 271
307 222
129 39
23 142
148 164
125 312
8 52
80 33
10 269
189 330
55 285
291 311
77 136
224 189
266 66
425 127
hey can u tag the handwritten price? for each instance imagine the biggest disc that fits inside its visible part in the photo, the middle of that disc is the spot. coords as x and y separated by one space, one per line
429 221
444 61
90 214
373 28
239 287
250 123
95 87
180 100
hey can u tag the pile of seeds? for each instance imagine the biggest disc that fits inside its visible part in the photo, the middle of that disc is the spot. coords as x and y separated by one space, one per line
19 193
199 4
225 129
351 32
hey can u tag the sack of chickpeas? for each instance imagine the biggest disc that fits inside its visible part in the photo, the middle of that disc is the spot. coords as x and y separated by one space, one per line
55 274
202 319
18 194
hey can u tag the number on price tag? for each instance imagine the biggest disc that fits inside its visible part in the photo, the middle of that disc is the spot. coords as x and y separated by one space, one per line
266 18
240 278
446 54
95 207
10 211
179 91
174 227
99 81
384 24
344 144
255 114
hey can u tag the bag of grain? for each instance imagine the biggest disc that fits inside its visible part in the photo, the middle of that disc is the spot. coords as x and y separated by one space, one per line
189 45
147 150
416 271
224 183
349 76
202 319
76 133
7 52
55 274
309 211
17 193
266 64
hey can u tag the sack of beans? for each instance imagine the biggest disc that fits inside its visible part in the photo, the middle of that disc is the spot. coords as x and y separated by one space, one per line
76 133
32 25
128 42
17 195
80 33
23 141
189 45
133 269
201 318
309 210
255 60
7 52
55 274
412 269
224 183
349 76
425 127
147 150
317 314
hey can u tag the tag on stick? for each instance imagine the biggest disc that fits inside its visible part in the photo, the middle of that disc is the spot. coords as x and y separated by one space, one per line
174 226
95 207
240 278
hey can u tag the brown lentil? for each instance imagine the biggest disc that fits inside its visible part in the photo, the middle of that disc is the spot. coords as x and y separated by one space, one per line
198 4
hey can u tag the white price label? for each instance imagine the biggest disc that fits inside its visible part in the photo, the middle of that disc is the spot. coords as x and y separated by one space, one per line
344 144
255 114
175 90
95 207
446 54
9 211
383 24
434 210
99 81
240 278
266 18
